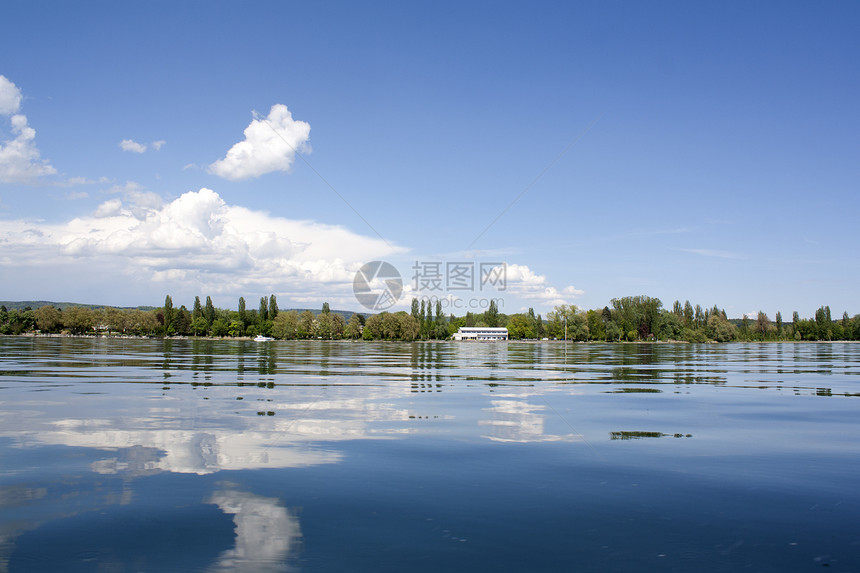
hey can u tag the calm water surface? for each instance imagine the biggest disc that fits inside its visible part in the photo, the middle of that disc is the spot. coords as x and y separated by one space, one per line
179 455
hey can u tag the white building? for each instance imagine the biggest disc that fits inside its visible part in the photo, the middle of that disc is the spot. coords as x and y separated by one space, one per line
483 333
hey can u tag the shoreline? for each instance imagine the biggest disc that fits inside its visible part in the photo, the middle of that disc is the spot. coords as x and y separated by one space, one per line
520 341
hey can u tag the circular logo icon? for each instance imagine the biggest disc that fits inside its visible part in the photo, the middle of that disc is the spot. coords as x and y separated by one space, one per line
377 285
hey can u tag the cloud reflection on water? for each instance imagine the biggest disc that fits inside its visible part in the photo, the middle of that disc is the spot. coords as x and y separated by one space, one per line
266 533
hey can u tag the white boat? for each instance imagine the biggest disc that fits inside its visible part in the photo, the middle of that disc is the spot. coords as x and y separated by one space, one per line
261 338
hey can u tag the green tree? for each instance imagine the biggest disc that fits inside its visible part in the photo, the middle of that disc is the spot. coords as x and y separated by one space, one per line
141 322
577 323
220 327
48 318
415 309
338 326
199 326
182 321
235 328
441 323
78 319
744 332
720 329
491 316
373 327
638 313
307 325
596 327
209 313
168 311
198 309
854 328
286 325
429 326
688 314
519 326
114 319
273 307
823 323
837 331
242 318
353 327
613 333
264 308
670 326
325 308
763 328
324 325
606 315
407 327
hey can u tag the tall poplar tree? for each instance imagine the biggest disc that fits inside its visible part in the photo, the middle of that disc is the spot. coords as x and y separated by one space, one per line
209 313
491 316
273 307
168 311
242 315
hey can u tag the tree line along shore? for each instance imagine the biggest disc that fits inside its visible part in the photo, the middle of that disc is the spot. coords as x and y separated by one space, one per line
632 318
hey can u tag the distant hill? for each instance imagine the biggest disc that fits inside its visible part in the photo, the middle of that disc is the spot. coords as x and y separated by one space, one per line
344 313
34 304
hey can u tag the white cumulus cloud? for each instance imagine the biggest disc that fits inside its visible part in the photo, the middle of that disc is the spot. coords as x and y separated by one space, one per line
270 145
135 147
19 157
10 97
196 243
525 283
132 145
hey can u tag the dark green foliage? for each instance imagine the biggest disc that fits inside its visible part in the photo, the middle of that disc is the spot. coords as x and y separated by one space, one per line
491 316
209 313
197 312
242 317
273 307
637 318
264 308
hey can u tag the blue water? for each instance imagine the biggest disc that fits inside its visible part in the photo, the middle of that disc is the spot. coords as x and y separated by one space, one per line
151 455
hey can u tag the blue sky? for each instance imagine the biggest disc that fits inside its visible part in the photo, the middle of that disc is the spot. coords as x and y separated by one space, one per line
701 151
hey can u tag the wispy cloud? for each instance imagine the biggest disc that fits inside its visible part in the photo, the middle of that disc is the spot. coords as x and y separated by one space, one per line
135 147
658 232
712 253
78 181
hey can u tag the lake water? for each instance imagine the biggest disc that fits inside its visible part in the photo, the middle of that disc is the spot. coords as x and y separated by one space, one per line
186 455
